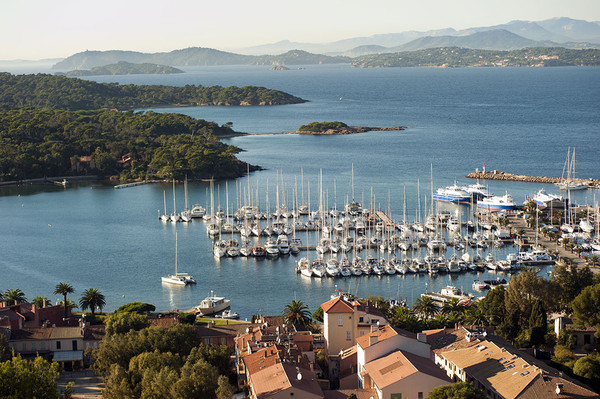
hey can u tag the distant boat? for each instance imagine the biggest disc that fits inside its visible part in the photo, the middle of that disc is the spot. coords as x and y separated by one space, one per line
497 203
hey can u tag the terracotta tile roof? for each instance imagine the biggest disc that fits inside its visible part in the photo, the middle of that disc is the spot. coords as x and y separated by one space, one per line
398 365
38 333
261 359
280 377
544 386
337 305
383 333
344 393
507 373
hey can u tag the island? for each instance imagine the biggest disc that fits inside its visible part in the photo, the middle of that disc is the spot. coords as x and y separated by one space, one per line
123 68
60 92
332 128
279 68
454 57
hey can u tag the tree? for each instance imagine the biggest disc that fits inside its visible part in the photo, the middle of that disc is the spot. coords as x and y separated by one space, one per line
64 289
14 295
522 291
39 301
492 306
585 307
91 299
588 367
224 388
30 379
120 323
5 352
404 318
296 313
137 307
459 390
426 307
538 324
318 315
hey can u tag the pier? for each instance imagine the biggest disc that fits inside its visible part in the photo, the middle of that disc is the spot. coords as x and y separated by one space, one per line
498 175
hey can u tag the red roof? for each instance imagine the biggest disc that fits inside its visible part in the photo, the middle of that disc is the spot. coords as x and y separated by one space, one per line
337 305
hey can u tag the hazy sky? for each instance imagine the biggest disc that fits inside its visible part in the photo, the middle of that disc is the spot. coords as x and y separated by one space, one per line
35 29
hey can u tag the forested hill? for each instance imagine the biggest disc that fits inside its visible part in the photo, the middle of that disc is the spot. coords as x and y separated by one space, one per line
38 142
60 92
452 57
124 68
193 56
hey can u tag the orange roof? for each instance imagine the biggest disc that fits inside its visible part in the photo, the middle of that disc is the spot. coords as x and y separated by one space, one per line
261 359
280 377
337 305
382 334
398 365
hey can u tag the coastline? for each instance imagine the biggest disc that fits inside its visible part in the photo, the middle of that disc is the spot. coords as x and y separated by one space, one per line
332 132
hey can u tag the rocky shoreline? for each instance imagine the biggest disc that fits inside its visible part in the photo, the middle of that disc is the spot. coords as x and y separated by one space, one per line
497 175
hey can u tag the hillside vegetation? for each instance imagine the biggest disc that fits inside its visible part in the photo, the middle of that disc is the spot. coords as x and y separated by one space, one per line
76 94
45 142
451 57
124 68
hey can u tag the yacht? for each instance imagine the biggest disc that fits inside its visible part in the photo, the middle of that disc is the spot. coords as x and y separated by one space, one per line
453 194
497 203
212 304
272 249
542 198
283 244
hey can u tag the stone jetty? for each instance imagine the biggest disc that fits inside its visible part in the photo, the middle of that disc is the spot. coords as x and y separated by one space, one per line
498 175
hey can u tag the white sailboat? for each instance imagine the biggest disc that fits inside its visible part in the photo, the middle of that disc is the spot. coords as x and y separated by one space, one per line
570 182
178 278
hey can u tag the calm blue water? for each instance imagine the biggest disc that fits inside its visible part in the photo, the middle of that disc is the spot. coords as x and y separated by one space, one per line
519 120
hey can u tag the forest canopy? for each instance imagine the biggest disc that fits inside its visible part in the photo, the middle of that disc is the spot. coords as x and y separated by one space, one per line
49 91
37 142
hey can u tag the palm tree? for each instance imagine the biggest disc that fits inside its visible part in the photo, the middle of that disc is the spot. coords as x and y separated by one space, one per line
475 316
64 289
426 306
39 301
453 307
296 313
92 299
14 295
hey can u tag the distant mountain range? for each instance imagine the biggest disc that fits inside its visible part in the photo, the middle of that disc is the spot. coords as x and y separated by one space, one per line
557 32
563 32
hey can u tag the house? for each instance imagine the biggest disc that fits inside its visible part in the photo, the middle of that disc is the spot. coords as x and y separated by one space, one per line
29 315
499 369
583 335
283 380
344 322
57 344
384 340
402 374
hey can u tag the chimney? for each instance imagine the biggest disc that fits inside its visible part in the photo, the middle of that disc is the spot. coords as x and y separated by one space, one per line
422 337
559 387
372 339
44 304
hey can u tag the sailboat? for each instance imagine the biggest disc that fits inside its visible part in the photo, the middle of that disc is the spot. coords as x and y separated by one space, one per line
570 182
178 278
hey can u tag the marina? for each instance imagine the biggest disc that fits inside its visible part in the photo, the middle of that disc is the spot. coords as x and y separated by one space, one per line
92 235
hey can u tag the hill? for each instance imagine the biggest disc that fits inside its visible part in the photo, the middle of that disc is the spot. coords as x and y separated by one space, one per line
451 57
75 94
194 56
124 68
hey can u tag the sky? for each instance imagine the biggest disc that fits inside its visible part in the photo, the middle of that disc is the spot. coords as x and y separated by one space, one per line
38 29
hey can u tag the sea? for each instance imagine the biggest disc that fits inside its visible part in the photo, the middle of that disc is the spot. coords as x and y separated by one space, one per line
518 120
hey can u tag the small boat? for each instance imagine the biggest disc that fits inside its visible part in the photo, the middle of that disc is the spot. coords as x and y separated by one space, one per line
480 285
212 304
198 211
228 314
178 278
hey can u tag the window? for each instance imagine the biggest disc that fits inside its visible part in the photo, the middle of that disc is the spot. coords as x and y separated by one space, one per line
33 346
396 396
374 321
420 395
57 344
361 319
43 345
24 346
340 320
348 336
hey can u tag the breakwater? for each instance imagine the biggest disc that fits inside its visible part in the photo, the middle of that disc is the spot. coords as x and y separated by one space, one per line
498 175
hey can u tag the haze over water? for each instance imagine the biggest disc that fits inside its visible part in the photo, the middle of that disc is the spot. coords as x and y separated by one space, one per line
517 120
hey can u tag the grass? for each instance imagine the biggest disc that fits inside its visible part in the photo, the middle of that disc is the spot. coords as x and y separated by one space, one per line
202 321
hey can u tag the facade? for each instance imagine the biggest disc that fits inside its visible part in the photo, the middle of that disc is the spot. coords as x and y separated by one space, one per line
64 345
344 322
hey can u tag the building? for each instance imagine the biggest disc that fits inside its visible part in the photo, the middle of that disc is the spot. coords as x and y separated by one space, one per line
402 374
384 340
344 322
283 380
499 369
582 335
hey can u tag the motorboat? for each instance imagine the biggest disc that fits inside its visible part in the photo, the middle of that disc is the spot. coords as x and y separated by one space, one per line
480 285
212 304
542 198
228 314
